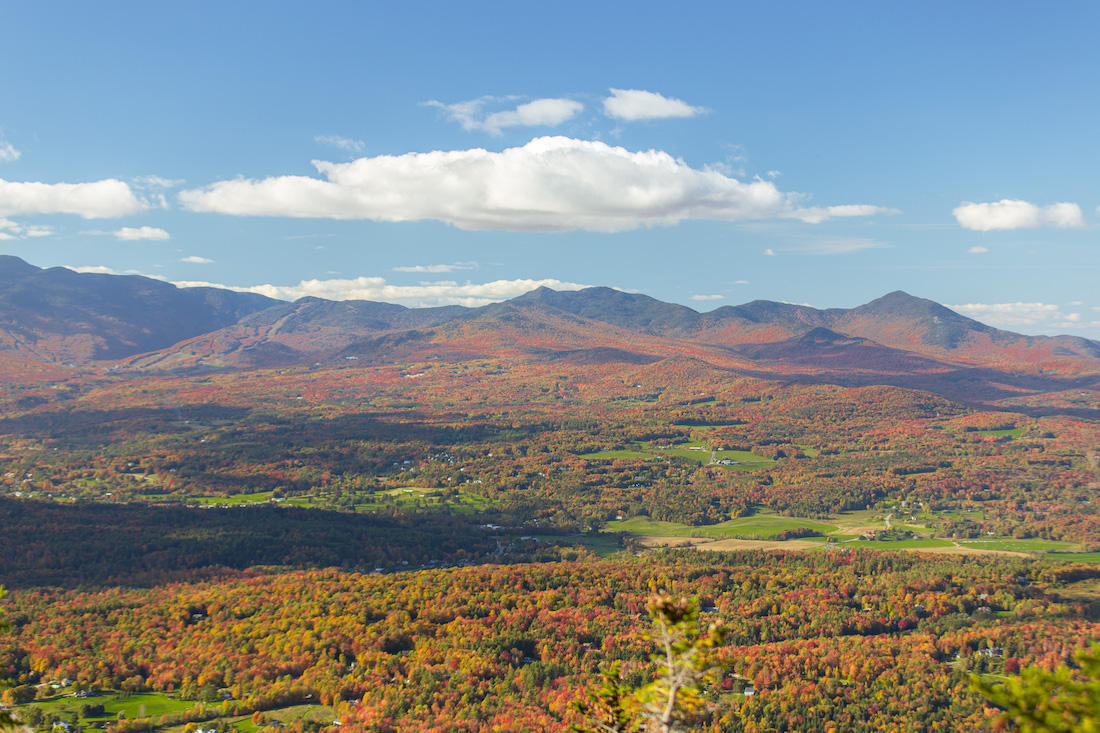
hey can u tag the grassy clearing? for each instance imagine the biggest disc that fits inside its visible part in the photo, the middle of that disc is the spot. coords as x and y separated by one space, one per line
864 518
235 500
138 705
898 544
601 544
1085 557
155 704
692 451
321 714
1006 544
1011 432
760 526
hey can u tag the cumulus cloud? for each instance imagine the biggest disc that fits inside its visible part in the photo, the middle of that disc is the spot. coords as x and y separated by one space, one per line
473 116
978 250
133 233
1015 214
770 252
1033 317
8 153
631 105
426 294
707 297
106 199
13 230
549 184
438 268
338 141
196 260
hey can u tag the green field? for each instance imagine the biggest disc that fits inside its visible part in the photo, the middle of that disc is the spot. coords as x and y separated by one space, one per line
154 705
1008 544
137 705
742 456
760 526
691 451
898 544
257 498
1011 432
1086 557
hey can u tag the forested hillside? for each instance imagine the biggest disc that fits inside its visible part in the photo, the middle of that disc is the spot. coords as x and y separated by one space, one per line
449 519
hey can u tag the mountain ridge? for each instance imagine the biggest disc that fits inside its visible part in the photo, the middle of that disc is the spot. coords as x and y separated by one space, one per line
59 315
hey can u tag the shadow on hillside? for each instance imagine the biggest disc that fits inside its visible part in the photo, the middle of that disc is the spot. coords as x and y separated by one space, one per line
977 386
75 427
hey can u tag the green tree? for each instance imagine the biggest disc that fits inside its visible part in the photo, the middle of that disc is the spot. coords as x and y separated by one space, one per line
685 662
1062 701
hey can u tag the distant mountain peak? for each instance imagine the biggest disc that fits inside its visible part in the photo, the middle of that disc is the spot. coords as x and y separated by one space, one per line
12 266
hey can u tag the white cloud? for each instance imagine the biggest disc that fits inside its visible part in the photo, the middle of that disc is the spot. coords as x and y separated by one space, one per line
978 250
1034 317
549 184
157 182
8 153
14 230
438 268
94 269
106 199
196 260
376 288
344 143
131 233
540 112
770 252
1015 214
635 104
707 297
818 214
741 282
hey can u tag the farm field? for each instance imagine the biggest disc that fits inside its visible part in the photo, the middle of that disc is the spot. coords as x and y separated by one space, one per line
1009 432
67 707
754 527
1014 545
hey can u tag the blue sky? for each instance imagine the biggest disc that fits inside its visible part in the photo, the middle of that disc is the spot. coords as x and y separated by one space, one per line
428 153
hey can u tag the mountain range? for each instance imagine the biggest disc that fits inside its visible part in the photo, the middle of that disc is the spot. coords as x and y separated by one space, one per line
59 316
